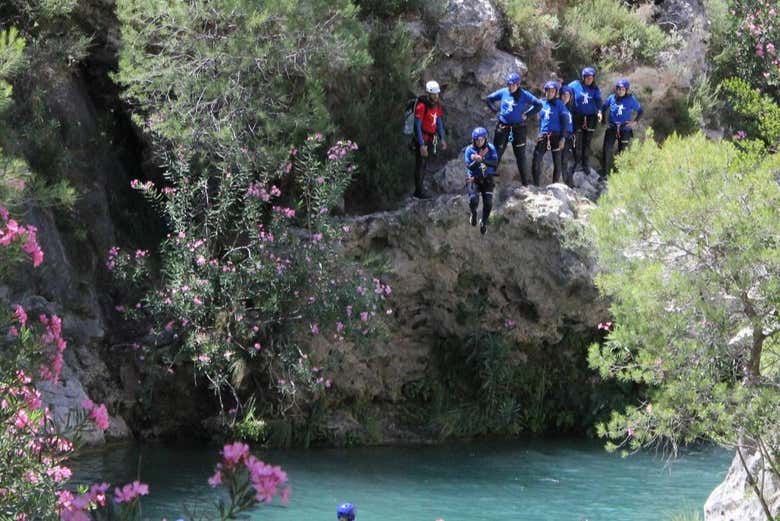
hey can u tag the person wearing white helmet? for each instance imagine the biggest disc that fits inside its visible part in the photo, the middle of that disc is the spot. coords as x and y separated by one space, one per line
428 133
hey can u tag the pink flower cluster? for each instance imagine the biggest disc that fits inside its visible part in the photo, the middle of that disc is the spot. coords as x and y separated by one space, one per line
52 336
76 508
605 326
130 492
97 413
268 481
341 149
286 212
138 185
761 26
255 190
113 253
11 231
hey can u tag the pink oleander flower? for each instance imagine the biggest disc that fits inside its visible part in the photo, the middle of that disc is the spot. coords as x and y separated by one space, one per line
20 315
97 413
275 191
266 479
21 421
130 492
605 326
216 479
234 453
59 473
510 324
314 328
364 316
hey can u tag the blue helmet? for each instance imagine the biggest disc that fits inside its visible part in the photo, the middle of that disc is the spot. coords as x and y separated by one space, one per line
588 71
512 78
552 85
566 89
346 511
479 132
623 82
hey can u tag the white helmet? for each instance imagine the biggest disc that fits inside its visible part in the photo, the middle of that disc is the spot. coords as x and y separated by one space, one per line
432 87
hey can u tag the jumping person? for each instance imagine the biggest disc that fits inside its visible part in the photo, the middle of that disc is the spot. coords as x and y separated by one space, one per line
553 123
515 106
428 134
569 153
618 108
586 110
346 512
481 160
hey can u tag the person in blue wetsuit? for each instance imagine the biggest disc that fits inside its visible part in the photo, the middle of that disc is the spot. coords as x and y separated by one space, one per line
569 152
619 108
515 106
346 512
553 123
586 109
481 160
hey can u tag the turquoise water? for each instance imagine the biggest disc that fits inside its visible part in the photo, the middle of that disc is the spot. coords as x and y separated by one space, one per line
559 480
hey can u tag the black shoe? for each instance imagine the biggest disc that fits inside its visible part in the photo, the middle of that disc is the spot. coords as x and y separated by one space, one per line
473 218
482 226
421 195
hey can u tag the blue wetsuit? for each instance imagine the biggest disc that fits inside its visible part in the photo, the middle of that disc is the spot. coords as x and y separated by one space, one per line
553 129
513 110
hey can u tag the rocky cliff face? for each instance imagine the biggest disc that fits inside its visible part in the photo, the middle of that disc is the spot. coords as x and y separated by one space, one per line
527 278
735 499
70 281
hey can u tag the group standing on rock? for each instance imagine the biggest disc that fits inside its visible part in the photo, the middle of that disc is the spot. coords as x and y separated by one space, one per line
568 116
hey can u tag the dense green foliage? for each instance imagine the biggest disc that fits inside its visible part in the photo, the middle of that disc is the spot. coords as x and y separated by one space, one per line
609 34
751 114
488 384
31 148
605 33
687 238
252 269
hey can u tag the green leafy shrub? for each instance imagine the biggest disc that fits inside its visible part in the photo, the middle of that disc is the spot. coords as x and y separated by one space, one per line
609 34
687 242
750 114
367 104
532 29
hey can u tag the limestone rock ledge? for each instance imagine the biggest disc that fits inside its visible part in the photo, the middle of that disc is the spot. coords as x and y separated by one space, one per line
735 500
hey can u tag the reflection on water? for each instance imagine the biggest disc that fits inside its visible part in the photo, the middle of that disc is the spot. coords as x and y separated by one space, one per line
537 480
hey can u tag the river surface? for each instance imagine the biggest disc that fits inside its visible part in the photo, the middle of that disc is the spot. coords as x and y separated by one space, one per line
526 480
